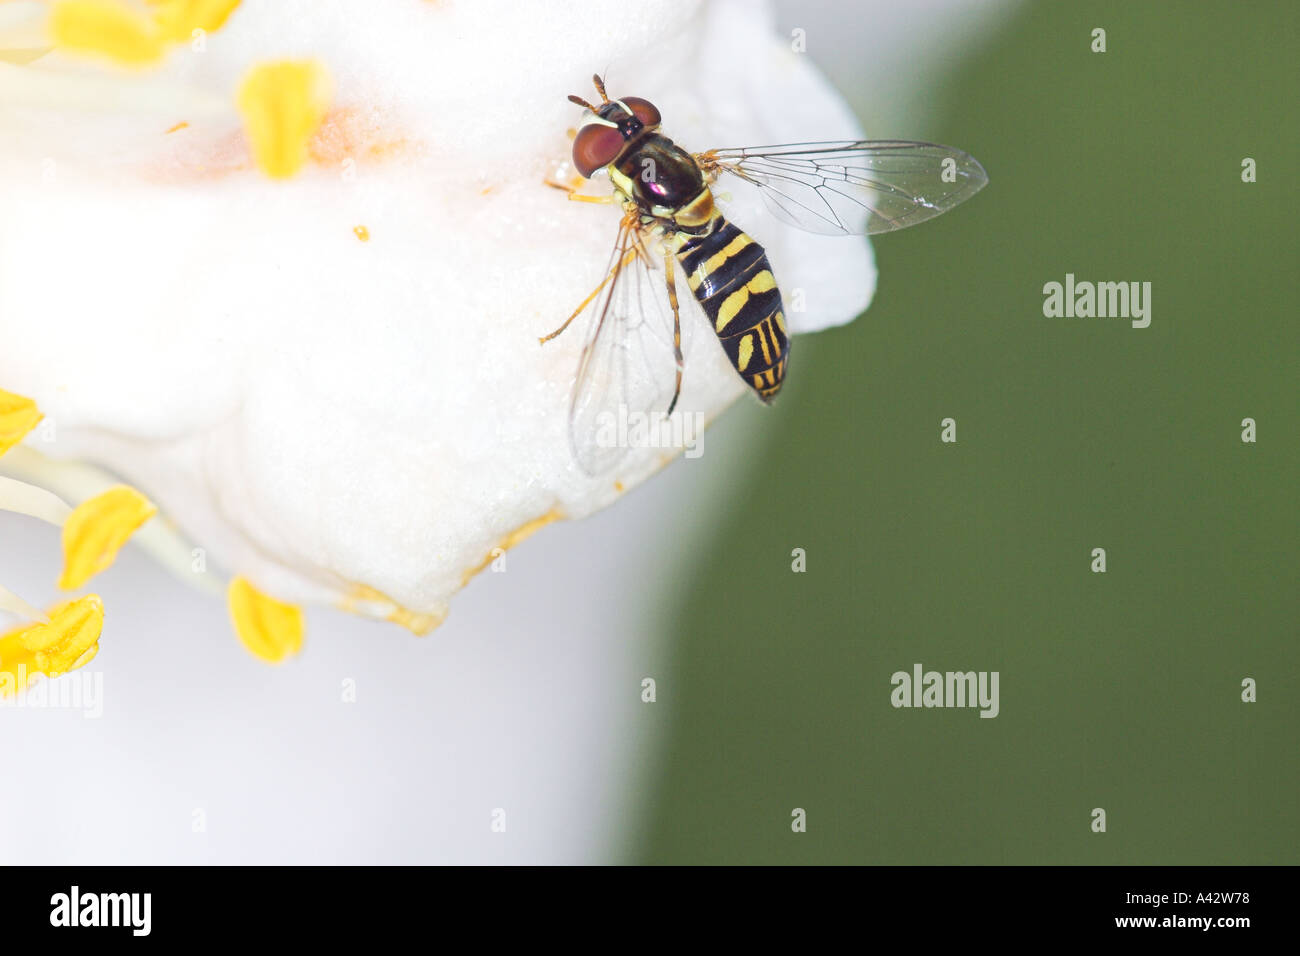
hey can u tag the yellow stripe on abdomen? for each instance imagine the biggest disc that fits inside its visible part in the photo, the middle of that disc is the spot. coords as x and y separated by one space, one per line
717 259
731 306
746 352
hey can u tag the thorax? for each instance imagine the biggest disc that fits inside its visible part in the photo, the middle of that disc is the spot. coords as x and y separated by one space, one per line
665 182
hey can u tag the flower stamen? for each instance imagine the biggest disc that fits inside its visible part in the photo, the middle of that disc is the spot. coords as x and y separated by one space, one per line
283 104
270 629
178 19
130 37
33 501
18 416
15 605
96 530
67 640
109 29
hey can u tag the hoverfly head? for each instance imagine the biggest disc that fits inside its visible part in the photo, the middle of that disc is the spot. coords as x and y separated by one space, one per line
609 128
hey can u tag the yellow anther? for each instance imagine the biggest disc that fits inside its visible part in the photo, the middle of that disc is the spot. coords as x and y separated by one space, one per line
283 104
18 416
125 35
107 28
178 19
69 640
270 629
96 531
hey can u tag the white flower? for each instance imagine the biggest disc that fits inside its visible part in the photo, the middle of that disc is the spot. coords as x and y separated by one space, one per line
332 383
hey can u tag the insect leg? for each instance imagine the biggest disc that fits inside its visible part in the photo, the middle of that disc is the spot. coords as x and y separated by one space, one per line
622 261
576 196
677 325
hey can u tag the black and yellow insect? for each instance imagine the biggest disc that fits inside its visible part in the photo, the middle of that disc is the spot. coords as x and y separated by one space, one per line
837 188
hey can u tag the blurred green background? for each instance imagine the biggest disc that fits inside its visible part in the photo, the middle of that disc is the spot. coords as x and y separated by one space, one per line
1118 690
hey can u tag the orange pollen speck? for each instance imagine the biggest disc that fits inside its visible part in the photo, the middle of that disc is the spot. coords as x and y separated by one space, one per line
362 233
181 125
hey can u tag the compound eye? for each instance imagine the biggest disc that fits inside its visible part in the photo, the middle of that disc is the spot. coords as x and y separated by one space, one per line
596 146
643 110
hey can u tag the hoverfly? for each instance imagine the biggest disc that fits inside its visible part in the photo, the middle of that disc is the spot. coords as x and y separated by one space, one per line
632 351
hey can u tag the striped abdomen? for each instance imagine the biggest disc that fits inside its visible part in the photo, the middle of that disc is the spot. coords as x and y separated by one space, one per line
732 279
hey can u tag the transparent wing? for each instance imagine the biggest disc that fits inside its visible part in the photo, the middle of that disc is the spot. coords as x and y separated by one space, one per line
627 373
854 187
